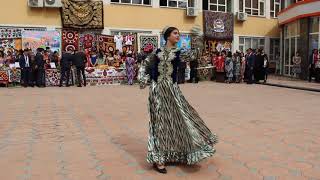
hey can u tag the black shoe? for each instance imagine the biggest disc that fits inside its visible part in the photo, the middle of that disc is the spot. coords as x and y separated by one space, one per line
60 85
79 86
162 171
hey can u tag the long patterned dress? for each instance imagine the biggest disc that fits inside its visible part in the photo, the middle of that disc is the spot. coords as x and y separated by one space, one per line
130 69
176 132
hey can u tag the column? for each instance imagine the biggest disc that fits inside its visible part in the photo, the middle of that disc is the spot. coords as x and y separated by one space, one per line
267 10
235 6
235 43
155 3
303 49
267 45
198 5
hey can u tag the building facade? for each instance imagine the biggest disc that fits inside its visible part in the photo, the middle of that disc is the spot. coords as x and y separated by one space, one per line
259 29
300 26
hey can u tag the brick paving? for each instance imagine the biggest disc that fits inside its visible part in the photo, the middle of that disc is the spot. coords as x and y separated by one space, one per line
99 133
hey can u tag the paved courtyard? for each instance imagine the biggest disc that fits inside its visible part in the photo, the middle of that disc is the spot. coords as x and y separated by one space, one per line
97 133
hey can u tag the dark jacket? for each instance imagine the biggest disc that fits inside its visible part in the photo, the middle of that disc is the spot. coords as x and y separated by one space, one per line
251 60
66 60
80 59
39 61
153 67
22 62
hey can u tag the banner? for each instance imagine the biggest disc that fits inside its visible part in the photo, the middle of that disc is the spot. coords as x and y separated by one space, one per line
35 39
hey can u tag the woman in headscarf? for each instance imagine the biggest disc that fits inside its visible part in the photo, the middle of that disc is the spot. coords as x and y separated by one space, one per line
176 131
130 62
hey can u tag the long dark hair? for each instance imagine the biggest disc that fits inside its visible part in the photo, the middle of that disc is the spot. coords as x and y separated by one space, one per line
168 31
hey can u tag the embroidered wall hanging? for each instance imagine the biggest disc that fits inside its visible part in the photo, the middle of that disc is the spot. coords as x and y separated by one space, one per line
8 33
82 14
106 43
88 41
218 25
70 40
147 41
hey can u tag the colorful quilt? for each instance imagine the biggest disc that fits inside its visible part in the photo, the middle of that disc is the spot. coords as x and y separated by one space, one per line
184 43
106 44
70 40
10 33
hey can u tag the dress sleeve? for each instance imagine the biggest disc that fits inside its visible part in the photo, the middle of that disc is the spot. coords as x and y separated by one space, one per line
144 72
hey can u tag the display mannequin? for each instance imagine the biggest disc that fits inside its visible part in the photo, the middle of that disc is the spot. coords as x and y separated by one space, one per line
118 39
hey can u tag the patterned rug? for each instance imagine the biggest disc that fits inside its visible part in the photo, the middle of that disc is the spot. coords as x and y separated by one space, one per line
106 43
70 40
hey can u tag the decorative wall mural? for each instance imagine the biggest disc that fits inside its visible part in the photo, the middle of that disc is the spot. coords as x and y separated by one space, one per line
82 14
35 39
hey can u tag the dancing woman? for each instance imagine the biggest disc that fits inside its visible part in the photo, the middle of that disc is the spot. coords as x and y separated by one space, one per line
176 132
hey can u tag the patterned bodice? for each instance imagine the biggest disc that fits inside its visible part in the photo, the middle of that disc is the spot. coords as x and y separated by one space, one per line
165 66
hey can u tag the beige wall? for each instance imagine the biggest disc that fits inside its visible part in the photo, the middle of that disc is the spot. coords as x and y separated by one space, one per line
17 12
115 16
136 17
256 26
149 18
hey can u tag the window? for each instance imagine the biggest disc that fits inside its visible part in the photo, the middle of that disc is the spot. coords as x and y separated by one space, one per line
290 2
252 7
174 3
135 2
275 7
291 45
219 5
250 42
314 36
274 56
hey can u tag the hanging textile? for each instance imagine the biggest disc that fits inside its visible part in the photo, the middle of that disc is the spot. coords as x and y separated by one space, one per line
106 44
10 33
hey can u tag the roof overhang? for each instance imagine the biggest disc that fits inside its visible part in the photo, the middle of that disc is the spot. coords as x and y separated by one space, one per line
302 9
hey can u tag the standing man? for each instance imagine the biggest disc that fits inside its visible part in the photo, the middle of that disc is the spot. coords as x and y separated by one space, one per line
313 60
40 62
250 64
80 61
65 65
194 63
25 65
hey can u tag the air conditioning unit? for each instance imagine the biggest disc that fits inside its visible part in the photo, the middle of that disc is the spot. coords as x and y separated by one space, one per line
192 12
52 3
242 16
35 3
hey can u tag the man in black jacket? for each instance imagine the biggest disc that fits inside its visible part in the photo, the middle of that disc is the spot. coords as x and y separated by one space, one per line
80 61
41 80
65 65
26 68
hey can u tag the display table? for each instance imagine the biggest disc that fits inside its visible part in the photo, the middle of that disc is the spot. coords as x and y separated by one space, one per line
108 75
205 73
